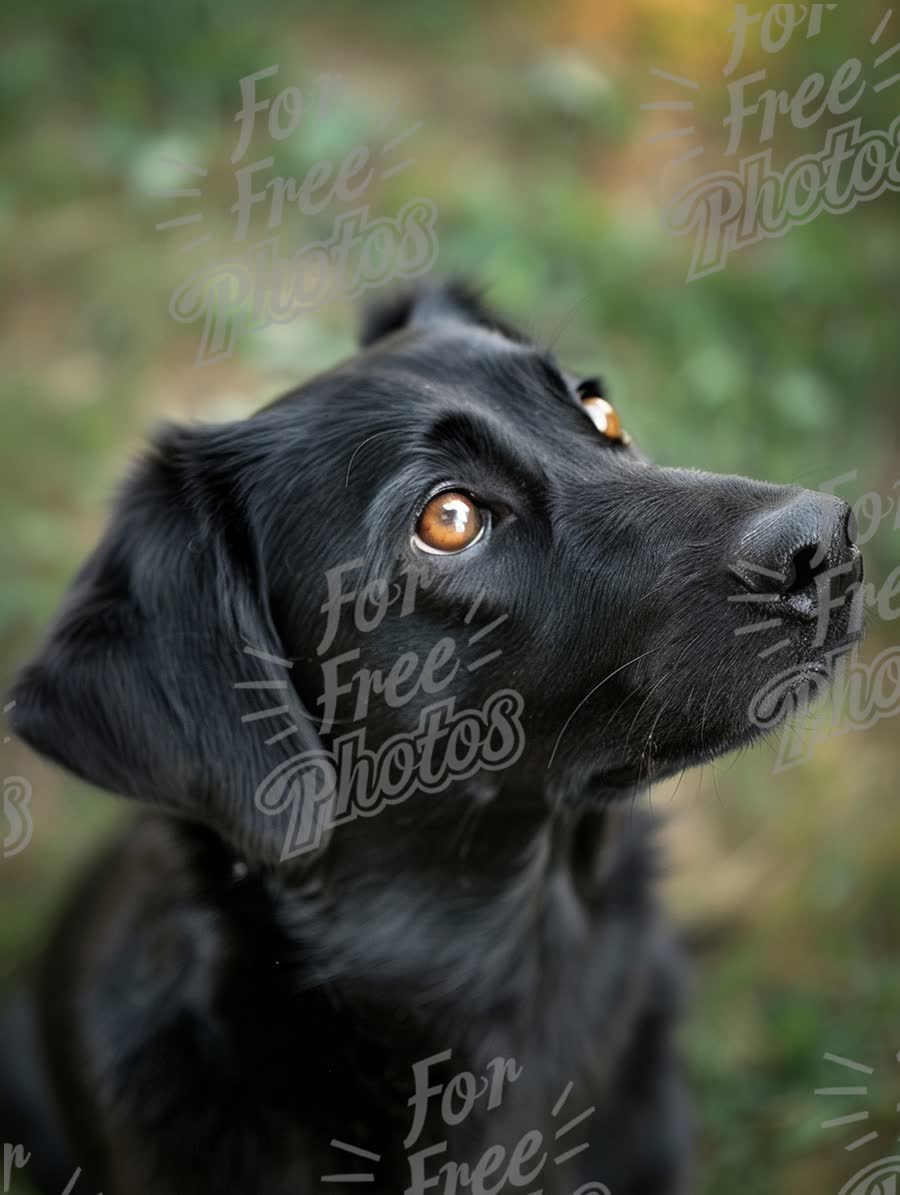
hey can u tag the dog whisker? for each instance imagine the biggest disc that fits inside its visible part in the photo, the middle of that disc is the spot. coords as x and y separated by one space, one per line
678 784
552 342
687 648
386 432
592 691
661 681
654 589
649 747
710 691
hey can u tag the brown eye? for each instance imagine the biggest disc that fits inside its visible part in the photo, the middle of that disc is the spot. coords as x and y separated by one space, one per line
450 522
604 418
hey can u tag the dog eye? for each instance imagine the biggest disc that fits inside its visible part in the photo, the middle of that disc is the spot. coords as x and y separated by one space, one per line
449 523
604 418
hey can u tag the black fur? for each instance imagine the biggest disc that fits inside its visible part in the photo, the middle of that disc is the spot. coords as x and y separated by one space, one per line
214 1011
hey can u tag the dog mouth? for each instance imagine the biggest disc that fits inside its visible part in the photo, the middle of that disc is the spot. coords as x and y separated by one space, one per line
785 694
623 778
756 695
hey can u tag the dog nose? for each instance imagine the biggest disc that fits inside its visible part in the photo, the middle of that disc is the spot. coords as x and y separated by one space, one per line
807 543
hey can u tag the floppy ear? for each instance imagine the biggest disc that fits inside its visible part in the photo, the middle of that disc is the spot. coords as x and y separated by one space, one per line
452 300
135 687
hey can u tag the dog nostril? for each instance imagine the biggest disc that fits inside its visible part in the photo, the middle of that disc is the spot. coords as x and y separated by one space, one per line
788 552
851 527
807 564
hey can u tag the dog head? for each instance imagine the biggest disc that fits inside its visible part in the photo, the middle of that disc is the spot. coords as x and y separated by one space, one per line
441 565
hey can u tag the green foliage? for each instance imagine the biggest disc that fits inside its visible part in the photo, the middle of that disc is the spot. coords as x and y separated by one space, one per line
785 365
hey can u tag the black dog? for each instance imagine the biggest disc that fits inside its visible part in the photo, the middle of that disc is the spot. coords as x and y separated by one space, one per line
391 913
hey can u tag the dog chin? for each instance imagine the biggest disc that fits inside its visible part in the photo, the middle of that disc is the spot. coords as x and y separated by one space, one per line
613 784
625 780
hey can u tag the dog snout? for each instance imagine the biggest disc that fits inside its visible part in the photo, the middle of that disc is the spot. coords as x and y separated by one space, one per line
793 552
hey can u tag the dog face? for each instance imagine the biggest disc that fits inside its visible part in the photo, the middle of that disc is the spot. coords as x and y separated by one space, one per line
447 515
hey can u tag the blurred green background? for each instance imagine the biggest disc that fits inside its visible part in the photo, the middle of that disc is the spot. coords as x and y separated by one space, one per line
547 177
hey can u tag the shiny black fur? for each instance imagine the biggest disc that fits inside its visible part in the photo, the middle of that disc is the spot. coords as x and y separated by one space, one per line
211 1016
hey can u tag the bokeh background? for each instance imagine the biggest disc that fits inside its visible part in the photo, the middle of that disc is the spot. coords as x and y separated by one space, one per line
548 177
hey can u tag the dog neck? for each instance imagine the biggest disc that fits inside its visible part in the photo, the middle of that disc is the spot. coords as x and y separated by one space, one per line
461 902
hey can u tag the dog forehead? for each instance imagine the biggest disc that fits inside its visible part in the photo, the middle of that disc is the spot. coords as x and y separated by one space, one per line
450 363
405 386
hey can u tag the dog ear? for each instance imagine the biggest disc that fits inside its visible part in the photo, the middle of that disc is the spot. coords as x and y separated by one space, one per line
164 646
453 300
